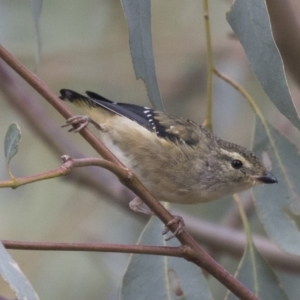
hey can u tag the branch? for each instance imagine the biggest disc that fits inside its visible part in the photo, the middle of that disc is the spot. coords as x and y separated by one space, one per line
16 182
95 247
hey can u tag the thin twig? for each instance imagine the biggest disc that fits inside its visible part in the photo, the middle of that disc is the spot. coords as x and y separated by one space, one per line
210 67
16 182
95 247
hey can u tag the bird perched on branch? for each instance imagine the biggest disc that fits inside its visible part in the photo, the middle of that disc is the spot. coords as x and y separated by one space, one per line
178 160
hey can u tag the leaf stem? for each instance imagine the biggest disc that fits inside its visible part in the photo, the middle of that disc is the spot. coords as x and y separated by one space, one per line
250 245
210 67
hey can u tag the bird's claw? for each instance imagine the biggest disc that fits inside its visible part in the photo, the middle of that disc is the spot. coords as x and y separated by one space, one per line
78 123
177 219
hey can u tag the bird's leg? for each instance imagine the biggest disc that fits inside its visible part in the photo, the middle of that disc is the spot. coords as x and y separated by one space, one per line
81 122
176 219
138 205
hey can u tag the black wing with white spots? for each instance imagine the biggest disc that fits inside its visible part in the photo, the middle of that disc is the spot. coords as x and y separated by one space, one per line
168 127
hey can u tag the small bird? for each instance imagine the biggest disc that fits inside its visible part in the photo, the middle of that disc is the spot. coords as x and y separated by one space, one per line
178 160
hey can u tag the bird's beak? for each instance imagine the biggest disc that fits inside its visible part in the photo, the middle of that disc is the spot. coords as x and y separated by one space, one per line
267 178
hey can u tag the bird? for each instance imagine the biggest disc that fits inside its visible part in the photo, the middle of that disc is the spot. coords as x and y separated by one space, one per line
178 160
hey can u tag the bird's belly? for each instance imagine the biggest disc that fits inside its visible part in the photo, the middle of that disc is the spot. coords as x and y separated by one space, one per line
160 180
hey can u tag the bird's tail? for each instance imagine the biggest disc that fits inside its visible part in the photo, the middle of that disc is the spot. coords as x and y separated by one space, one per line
91 107
76 98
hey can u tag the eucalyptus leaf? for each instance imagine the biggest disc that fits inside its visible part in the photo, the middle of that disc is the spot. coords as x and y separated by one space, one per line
161 277
138 16
258 277
12 274
278 205
36 8
11 143
250 21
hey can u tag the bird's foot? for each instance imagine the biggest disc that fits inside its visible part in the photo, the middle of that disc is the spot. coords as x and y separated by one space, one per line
176 220
138 205
81 121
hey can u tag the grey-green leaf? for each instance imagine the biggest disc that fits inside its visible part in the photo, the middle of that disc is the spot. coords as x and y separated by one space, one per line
258 277
12 274
36 8
11 143
160 277
249 20
138 16
278 204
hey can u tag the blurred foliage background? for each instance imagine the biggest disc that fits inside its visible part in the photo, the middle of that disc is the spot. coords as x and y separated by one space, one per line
85 47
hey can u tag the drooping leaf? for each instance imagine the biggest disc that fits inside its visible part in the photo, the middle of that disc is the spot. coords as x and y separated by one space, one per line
255 273
249 20
12 274
160 277
278 205
138 17
11 143
36 8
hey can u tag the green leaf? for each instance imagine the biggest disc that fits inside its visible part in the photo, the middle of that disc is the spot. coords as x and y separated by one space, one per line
36 8
12 274
138 16
278 205
11 143
160 277
249 20
258 277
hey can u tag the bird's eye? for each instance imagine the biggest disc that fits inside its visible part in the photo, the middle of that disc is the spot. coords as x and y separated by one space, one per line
236 164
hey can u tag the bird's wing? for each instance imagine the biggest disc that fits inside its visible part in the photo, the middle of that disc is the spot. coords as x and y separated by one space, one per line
165 126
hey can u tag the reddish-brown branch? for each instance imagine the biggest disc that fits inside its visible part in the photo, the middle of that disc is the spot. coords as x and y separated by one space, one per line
16 182
95 247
